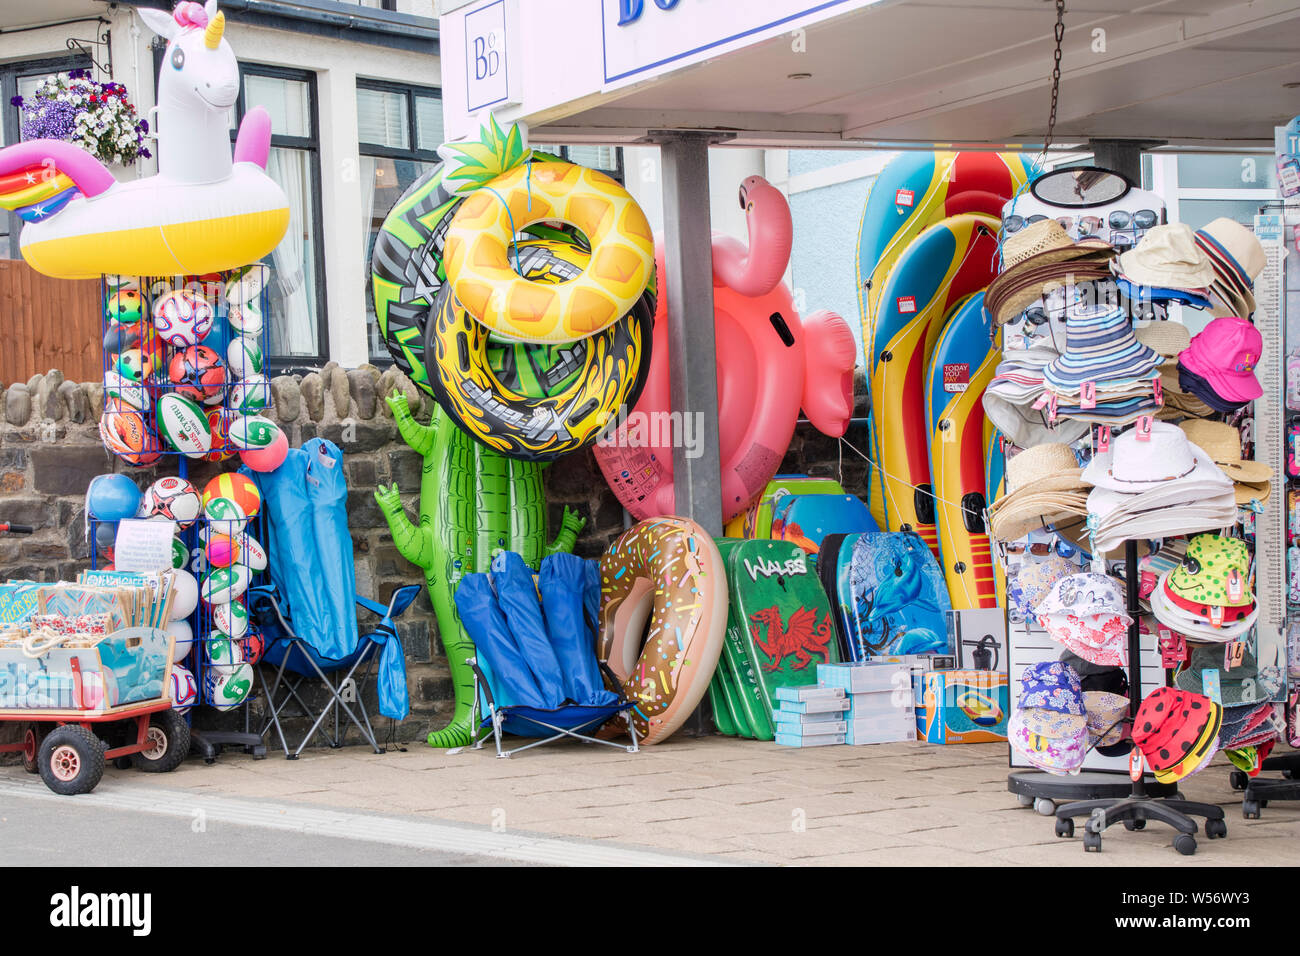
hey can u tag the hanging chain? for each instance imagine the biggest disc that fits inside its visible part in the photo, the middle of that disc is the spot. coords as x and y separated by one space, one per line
1056 74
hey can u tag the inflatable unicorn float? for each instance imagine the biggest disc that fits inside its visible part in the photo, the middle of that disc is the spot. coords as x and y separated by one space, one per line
203 212
771 363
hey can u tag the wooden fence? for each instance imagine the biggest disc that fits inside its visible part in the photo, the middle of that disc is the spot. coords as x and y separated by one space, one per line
48 323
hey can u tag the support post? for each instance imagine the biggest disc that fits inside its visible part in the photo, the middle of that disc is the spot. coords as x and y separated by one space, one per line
693 379
1123 156
693 375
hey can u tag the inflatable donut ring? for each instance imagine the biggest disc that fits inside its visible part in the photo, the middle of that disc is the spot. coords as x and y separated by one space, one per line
480 265
612 367
666 571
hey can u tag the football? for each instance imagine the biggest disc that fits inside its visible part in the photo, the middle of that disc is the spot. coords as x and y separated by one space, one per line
125 307
183 318
184 691
172 498
252 432
253 646
184 425
197 373
227 686
185 595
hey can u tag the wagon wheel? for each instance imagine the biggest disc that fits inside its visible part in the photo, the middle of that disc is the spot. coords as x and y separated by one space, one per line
168 743
33 734
71 760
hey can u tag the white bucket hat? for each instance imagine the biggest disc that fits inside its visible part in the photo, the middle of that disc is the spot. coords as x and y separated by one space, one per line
1167 257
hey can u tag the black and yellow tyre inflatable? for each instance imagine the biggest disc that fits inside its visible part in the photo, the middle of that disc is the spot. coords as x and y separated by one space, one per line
537 402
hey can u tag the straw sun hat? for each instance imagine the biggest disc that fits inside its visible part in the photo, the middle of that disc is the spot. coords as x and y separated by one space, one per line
1043 483
1222 443
1040 256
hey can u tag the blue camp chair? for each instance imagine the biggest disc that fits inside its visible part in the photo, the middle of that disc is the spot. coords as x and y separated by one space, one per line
294 661
577 721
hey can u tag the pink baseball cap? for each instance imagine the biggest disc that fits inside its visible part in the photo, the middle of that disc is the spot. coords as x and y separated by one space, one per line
1224 353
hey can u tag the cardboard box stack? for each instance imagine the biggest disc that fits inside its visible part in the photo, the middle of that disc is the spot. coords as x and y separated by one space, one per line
810 716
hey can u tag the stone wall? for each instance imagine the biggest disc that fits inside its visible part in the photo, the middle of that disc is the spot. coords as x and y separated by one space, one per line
50 449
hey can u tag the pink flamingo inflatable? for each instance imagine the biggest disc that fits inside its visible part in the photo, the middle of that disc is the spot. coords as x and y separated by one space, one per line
770 364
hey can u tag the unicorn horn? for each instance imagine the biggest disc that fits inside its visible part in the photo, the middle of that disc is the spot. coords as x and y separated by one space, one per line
212 35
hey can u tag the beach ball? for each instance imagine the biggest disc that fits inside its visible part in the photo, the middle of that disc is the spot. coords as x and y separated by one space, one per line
227 686
112 498
269 458
125 307
197 373
184 639
253 646
222 550
186 595
185 692
183 318
238 488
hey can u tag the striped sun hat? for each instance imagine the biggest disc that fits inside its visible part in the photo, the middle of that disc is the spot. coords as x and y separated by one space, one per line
1101 348
1237 258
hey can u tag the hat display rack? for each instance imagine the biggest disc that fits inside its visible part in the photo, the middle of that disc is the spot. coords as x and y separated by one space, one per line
1170 481
183 361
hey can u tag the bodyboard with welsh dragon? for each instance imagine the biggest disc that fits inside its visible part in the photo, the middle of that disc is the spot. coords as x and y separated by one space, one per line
784 615
896 597
736 681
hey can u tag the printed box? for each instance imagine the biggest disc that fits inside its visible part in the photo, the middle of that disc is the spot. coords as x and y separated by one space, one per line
966 707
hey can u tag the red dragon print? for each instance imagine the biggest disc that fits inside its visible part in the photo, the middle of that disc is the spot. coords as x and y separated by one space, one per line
803 637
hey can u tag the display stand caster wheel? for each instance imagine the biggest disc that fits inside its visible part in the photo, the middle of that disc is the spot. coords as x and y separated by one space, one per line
1250 809
1091 842
1045 807
1216 829
1289 774
1024 799
1238 780
1064 827
1131 825
1185 844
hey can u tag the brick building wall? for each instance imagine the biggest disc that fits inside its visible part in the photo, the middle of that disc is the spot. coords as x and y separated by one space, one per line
50 449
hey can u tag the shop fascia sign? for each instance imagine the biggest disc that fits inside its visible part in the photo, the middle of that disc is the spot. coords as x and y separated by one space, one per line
642 39
492 74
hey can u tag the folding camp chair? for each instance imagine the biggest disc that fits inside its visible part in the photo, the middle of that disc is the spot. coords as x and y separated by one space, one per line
295 661
570 720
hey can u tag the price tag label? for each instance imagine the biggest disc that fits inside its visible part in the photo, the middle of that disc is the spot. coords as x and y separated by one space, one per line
1158 391
1210 684
1234 652
1173 648
905 198
1088 395
1135 764
1143 428
1103 439
906 304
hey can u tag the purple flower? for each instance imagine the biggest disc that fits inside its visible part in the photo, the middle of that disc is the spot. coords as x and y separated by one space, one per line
16 100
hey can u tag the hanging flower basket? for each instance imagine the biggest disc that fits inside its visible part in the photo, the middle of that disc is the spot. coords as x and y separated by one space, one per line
76 108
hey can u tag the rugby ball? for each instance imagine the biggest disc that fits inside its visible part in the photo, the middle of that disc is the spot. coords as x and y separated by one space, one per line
224 585
172 498
185 595
129 392
184 639
180 553
224 517
244 357
253 554
227 686
183 318
222 550
246 283
253 646
246 319
253 432
185 692
238 488
250 394
231 619
184 425
221 650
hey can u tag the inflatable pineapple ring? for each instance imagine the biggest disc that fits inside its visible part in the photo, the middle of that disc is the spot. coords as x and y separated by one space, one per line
584 388
480 267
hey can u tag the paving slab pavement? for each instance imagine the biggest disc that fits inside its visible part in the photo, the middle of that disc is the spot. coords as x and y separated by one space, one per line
739 801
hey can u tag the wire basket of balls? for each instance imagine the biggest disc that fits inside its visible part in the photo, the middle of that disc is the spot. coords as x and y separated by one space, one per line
184 368
217 555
